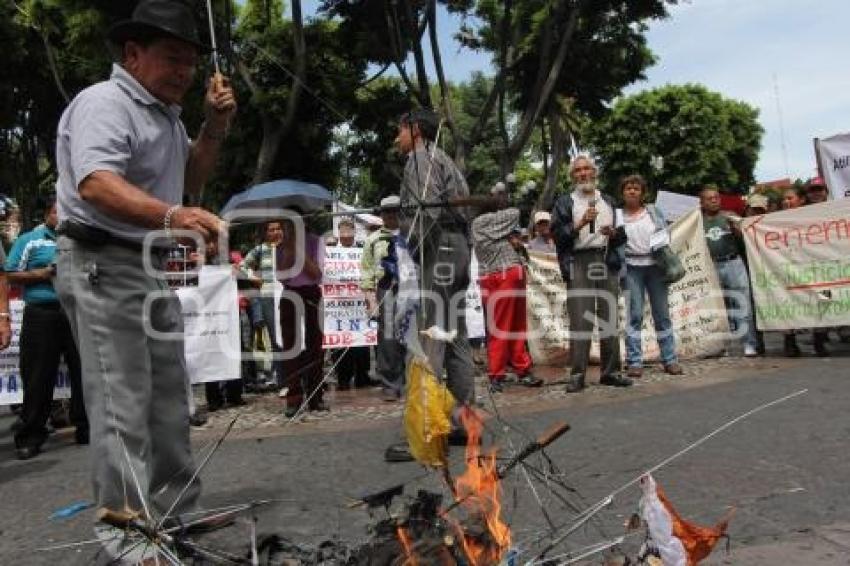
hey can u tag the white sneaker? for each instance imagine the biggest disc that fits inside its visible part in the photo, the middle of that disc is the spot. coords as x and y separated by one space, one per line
750 352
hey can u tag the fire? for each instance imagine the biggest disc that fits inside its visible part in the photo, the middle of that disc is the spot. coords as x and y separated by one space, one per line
479 492
407 545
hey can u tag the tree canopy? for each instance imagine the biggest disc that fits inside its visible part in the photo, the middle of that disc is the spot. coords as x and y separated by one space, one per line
701 137
320 96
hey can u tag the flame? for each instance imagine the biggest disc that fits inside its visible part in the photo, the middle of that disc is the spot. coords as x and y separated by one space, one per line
479 491
407 545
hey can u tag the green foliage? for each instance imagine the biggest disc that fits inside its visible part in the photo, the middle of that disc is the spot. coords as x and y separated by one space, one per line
701 136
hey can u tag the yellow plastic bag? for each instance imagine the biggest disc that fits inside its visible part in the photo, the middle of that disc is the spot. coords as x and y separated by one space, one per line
427 414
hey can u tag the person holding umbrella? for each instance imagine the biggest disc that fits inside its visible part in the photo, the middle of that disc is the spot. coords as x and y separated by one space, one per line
124 160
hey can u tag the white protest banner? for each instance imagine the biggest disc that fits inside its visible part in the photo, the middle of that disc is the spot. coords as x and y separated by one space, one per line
474 311
697 309
546 299
696 304
11 386
834 160
346 318
800 266
675 205
211 326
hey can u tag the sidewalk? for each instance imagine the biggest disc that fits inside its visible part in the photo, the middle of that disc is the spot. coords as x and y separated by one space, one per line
263 413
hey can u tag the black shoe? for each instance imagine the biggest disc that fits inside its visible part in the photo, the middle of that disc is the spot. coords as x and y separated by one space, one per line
291 410
390 395
198 419
319 406
398 453
497 385
616 381
458 437
81 437
529 380
820 340
237 402
213 407
27 452
575 383
790 347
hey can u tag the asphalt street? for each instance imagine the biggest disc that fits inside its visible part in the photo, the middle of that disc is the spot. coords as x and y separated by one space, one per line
785 469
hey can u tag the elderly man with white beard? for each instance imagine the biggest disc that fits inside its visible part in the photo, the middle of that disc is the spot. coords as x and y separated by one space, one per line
588 244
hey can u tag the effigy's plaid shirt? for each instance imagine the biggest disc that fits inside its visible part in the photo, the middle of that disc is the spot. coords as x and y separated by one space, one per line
490 233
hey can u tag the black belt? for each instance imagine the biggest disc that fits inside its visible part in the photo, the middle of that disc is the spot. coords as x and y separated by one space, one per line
588 250
727 257
92 236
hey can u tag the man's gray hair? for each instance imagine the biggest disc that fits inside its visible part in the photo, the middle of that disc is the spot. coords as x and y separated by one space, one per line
582 156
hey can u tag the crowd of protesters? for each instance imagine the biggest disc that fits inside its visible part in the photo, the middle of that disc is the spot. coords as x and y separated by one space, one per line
602 249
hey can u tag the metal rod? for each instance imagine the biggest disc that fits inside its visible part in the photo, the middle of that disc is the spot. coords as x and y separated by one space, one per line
212 37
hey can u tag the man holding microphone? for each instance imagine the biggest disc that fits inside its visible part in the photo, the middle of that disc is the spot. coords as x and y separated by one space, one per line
587 242
124 159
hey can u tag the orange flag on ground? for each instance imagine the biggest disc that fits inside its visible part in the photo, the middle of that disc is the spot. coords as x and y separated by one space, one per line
679 542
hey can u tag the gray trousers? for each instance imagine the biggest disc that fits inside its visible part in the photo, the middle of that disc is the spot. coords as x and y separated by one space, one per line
592 295
390 352
134 383
445 278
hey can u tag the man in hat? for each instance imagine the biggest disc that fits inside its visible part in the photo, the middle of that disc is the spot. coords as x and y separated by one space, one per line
542 243
816 191
124 159
379 281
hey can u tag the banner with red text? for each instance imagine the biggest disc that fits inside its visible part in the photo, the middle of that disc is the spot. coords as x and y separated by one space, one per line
800 266
346 319
697 310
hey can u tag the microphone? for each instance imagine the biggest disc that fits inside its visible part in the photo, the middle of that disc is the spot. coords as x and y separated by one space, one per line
592 206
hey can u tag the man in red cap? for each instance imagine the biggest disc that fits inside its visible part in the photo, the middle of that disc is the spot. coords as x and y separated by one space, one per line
816 191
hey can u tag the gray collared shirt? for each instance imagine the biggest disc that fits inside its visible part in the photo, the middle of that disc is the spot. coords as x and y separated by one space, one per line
118 126
444 181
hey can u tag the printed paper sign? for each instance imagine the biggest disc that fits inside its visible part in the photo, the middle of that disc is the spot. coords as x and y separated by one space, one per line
11 386
211 326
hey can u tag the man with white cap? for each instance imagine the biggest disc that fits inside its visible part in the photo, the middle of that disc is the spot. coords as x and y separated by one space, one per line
543 242
379 281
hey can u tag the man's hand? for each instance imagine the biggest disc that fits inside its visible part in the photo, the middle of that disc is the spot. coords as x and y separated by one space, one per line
371 303
589 216
607 231
205 223
219 104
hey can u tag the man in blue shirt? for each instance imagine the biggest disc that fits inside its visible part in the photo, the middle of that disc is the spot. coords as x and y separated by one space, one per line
45 336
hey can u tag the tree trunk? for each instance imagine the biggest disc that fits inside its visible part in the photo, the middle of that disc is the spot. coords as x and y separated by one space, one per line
559 148
460 143
542 94
274 129
272 136
418 56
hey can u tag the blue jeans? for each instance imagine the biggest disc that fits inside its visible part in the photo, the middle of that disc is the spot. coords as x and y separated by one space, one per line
640 280
739 309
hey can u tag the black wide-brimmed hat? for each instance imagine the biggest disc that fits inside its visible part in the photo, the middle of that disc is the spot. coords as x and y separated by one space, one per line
153 18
